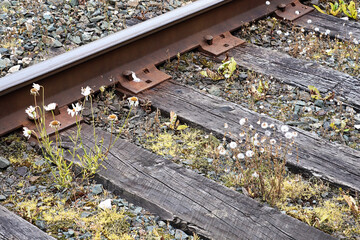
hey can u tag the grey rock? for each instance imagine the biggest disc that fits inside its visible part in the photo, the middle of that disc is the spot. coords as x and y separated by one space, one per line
40 224
85 214
97 189
14 69
47 16
4 50
56 2
97 19
4 63
74 3
215 90
5 4
2 198
75 39
319 103
22 171
56 44
180 234
138 210
161 224
40 162
30 189
300 103
4 163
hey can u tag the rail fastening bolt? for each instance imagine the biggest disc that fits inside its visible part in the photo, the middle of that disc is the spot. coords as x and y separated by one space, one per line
209 39
128 75
282 7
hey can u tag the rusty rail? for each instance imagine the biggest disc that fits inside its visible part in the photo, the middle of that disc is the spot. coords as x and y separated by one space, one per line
137 49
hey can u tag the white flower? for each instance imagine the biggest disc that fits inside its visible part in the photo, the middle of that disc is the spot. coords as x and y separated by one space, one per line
249 153
267 3
258 122
86 92
242 134
262 150
222 151
289 135
50 107
267 133
255 175
256 143
106 204
272 141
242 121
289 153
112 117
240 156
278 32
272 126
75 109
350 33
133 101
284 128
327 32
309 21
355 41
295 134
55 124
287 34
264 125
263 139
226 125
233 145
27 132
36 86
297 12
31 112
316 29
251 126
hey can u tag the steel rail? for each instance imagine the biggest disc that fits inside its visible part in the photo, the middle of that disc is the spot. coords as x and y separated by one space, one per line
138 48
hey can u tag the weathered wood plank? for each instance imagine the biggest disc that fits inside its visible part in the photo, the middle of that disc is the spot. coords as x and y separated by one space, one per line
336 163
13 227
298 72
338 27
175 192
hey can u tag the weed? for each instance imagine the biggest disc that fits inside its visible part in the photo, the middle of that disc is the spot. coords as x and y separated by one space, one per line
90 159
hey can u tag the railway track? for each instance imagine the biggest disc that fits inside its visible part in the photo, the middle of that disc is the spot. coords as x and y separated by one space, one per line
175 193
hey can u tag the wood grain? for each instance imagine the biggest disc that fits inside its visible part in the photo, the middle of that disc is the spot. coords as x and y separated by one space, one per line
181 195
297 72
333 162
338 27
13 227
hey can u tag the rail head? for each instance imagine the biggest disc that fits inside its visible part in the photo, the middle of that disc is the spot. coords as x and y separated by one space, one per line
91 50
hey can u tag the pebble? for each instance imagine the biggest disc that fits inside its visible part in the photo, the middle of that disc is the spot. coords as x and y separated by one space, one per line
97 189
61 24
106 204
4 163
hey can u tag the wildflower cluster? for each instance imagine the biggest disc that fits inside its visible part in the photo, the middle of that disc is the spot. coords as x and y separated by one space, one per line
258 158
90 160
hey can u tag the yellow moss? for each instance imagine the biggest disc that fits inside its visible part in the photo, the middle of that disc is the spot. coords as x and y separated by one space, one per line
295 187
28 209
184 145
